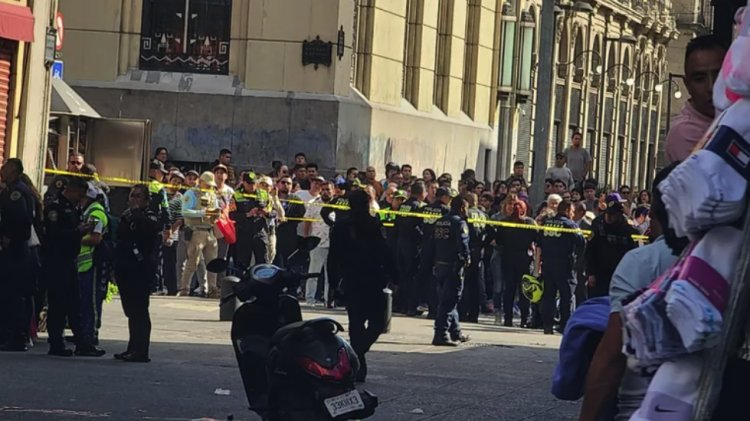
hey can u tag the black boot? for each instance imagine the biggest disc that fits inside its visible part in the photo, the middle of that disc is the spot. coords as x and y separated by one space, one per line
59 350
362 373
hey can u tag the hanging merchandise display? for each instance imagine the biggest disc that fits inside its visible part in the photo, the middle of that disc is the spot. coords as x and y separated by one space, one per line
674 323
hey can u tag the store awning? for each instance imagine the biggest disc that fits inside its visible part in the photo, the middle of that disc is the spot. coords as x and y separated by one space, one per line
16 23
67 102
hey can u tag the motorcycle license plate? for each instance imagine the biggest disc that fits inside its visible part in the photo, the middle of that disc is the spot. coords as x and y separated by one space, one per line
344 404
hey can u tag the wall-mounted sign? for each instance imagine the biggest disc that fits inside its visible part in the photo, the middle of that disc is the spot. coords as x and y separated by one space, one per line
317 52
57 69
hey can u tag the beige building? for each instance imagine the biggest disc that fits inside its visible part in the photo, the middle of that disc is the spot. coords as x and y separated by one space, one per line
433 83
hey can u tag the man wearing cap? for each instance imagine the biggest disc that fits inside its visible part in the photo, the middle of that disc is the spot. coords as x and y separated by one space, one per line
16 207
286 232
612 237
200 210
427 286
253 206
558 251
225 159
64 230
452 257
191 178
471 300
159 204
92 287
408 239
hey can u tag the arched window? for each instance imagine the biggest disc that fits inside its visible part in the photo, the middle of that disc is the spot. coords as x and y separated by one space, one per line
563 52
596 62
442 58
579 57
412 30
471 56
528 41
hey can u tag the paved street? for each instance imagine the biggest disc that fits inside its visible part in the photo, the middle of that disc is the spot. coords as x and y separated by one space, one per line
503 375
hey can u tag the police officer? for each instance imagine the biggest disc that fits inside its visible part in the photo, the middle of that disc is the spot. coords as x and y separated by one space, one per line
427 285
135 264
59 182
559 251
452 257
253 206
63 232
16 220
159 204
612 237
408 238
474 283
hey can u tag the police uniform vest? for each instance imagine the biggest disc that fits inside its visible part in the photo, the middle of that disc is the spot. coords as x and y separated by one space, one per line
478 228
86 255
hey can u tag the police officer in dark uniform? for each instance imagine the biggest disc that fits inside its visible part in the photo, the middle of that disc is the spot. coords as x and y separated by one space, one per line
408 239
427 285
63 230
559 251
16 220
473 285
159 204
251 222
135 265
611 238
452 257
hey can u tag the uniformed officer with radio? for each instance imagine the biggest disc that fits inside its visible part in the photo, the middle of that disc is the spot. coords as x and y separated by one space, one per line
253 207
135 265
427 285
63 233
452 257
558 252
408 239
16 221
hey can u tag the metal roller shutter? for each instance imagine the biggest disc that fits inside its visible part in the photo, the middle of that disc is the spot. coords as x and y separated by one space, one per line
6 60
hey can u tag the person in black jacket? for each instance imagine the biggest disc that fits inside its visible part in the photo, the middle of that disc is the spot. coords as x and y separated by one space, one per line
135 265
452 257
360 258
408 239
286 233
516 245
559 251
427 285
611 238
17 217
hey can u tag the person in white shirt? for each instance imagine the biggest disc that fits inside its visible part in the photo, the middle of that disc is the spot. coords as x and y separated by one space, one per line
319 229
307 196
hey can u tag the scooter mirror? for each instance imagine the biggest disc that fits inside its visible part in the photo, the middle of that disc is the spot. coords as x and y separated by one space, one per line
217 266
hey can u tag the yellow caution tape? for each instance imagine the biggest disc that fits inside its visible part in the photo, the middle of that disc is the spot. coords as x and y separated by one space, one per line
505 224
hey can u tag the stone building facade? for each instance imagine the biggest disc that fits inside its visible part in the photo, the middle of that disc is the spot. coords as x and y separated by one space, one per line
445 84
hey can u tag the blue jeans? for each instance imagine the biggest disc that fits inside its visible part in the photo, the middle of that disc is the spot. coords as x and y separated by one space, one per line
450 284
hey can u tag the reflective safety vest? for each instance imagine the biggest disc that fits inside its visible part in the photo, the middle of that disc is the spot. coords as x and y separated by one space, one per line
95 211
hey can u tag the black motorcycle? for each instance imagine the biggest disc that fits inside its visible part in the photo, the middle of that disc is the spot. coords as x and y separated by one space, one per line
291 369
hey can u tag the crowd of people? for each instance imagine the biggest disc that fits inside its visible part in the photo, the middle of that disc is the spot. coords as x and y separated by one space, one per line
181 219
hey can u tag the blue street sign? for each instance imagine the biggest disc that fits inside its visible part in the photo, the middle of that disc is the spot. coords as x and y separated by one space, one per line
57 69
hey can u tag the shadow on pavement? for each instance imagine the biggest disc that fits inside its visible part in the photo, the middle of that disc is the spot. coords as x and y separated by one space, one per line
468 383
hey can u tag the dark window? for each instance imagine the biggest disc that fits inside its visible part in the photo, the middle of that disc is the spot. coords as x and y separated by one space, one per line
190 36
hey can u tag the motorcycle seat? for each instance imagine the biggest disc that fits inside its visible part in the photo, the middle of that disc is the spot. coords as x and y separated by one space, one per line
295 327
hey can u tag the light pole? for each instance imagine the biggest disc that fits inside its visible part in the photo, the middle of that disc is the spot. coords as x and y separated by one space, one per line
547 26
602 97
677 95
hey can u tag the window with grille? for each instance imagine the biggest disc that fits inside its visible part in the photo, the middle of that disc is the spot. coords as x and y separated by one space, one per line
190 36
